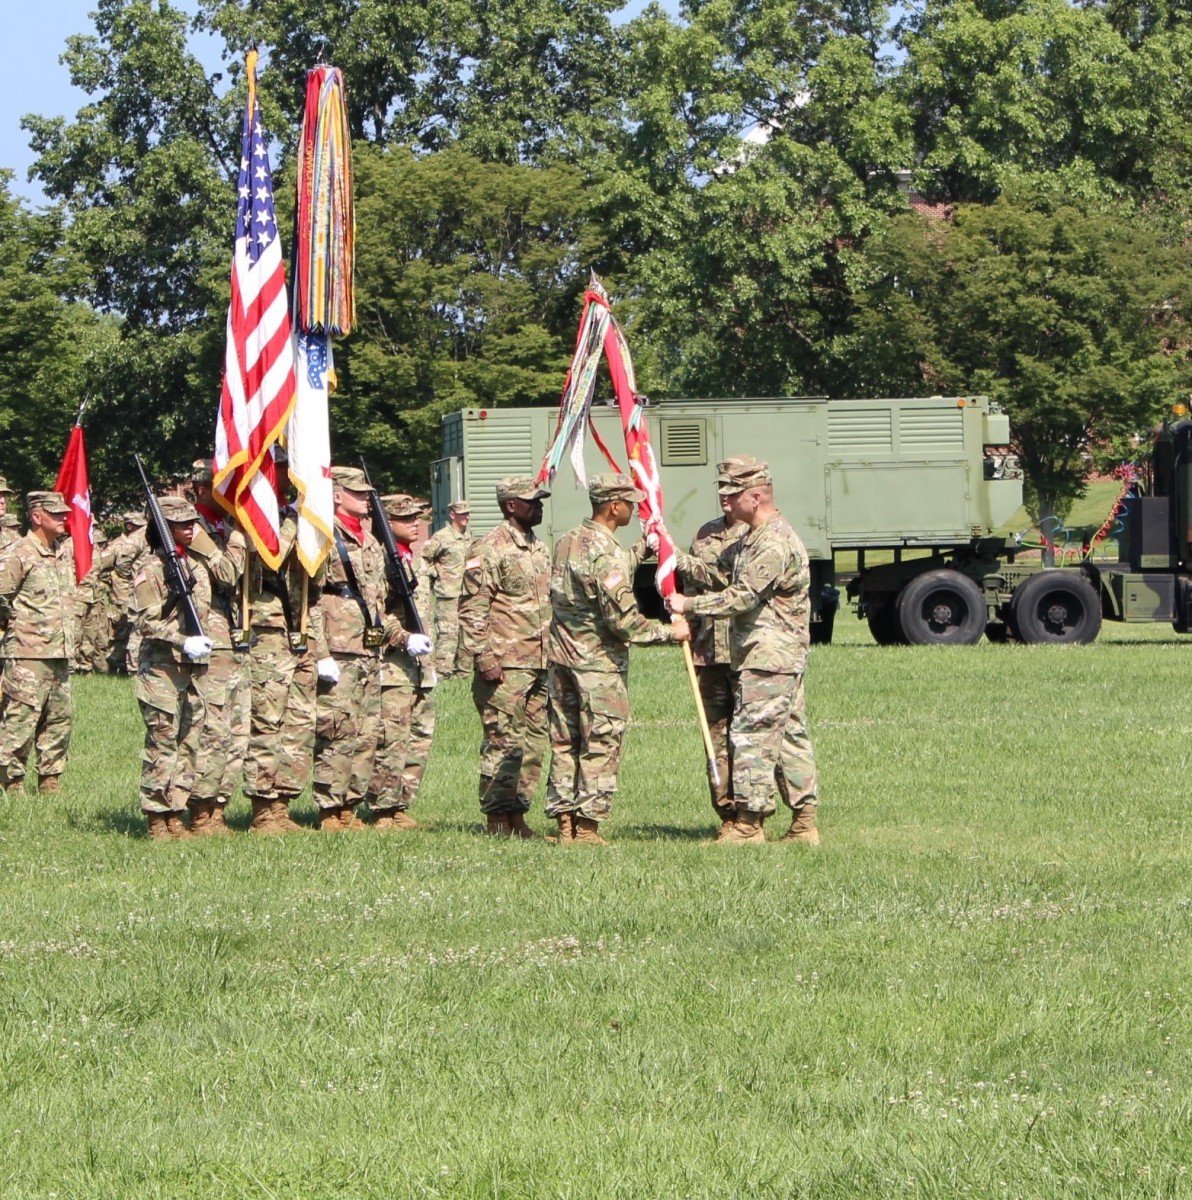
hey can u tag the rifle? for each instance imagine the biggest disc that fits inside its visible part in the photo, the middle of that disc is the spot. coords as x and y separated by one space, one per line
401 578
179 577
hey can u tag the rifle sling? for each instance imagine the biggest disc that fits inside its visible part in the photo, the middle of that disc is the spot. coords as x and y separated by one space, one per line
352 585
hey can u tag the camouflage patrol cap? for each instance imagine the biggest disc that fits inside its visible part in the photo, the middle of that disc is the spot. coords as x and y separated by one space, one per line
135 518
177 510
460 508
51 502
740 472
350 479
5 490
8 521
603 488
520 487
401 506
200 471
98 537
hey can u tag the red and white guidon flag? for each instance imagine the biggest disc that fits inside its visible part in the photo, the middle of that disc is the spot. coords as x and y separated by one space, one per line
75 487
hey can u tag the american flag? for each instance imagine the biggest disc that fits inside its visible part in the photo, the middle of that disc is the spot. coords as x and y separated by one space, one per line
259 385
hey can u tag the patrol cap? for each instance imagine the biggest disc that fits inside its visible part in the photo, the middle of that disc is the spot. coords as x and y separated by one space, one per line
401 506
603 488
520 487
135 518
98 537
51 502
350 479
4 488
177 509
200 471
740 472
461 508
8 521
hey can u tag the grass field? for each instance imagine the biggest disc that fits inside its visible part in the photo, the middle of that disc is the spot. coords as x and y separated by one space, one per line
978 985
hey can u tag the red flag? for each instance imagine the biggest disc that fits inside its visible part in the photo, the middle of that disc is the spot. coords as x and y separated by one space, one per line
75 487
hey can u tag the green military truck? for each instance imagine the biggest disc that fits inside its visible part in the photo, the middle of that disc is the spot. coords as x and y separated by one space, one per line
919 483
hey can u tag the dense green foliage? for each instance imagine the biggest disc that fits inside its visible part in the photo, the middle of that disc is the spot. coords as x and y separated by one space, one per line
977 986
504 149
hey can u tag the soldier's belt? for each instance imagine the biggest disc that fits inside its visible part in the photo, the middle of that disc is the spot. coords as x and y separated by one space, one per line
339 589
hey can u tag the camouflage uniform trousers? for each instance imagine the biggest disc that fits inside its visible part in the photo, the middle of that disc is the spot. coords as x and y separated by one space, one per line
589 711
35 707
717 688
220 761
173 700
513 715
92 653
770 744
347 729
403 749
281 741
450 656
119 656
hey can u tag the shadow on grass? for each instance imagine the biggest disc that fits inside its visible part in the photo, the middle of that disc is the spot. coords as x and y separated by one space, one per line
663 833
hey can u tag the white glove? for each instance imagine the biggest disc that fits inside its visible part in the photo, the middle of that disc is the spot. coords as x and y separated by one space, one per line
418 644
654 532
328 669
196 647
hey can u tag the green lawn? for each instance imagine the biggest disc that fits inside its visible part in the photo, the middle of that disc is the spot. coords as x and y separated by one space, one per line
978 985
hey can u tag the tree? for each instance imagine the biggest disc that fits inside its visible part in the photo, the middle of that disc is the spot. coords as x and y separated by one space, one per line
1073 317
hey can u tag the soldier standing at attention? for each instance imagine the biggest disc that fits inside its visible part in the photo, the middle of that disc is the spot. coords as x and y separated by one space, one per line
407 689
37 589
9 525
765 592
288 642
713 658
172 687
126 552
444 555
219 549
349 703
504 621
595 618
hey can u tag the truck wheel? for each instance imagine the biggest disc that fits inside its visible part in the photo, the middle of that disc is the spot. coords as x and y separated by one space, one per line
1056 606
883 624
942 608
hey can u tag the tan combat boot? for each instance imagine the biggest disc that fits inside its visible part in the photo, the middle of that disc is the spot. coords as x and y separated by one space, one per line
176 827
219 825
262 816
202 818
498 825
727 817
403 820
518 827
587 832
349 821
746 829
49 785
159 830
330 819
803 827
282 821
566 834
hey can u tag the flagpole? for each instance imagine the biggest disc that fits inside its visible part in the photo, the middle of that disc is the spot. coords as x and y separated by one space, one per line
709 748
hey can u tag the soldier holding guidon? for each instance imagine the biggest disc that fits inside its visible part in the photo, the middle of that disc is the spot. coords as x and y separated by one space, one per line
764 592
37 593
505 622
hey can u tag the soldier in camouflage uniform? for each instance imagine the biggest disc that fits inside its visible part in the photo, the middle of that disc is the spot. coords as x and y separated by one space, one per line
594 619
288 643
127 553
349 704
37 591
221 550
505 623
10 527
172 686
92 651
444 554
713 544
765 593
407 688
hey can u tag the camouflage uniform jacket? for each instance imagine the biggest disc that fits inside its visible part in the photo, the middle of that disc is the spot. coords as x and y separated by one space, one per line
162 636
8 539
766 592
225 566
444 555
505 612
713 544
343 622
419 672
594 615
126 552
268 611
37 590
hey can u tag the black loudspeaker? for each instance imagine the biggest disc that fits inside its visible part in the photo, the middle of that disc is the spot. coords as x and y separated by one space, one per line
1148 534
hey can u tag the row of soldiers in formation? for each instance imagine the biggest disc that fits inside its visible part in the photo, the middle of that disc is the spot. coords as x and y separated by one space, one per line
329 680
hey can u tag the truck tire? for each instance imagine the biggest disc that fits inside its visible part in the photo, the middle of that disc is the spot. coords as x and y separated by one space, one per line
1056 606
942 608
883 623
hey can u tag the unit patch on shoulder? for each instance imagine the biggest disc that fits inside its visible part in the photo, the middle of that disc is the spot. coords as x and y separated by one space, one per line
614 581
472 564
